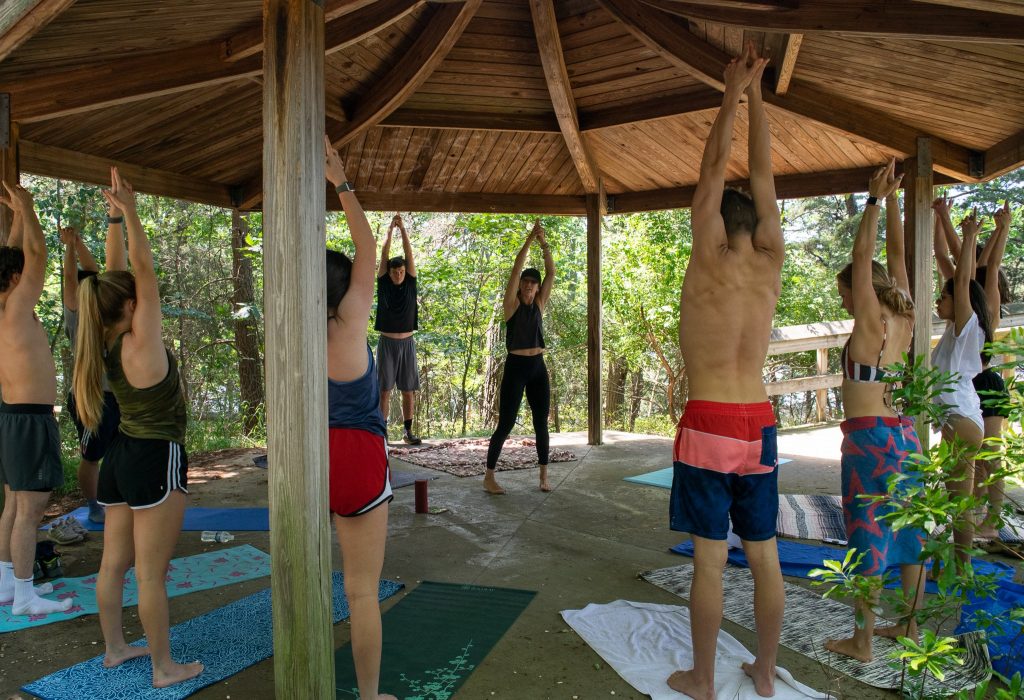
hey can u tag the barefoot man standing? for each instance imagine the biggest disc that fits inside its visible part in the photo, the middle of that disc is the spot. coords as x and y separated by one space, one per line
725 461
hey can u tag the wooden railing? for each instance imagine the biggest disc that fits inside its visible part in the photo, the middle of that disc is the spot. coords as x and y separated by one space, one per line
833 334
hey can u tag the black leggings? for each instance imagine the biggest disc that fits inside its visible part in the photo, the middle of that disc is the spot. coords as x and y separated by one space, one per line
527 374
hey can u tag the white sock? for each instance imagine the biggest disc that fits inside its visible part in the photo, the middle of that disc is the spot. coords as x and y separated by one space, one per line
6 582
28 602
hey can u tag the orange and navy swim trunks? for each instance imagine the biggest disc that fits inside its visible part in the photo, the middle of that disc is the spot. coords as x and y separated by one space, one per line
725 463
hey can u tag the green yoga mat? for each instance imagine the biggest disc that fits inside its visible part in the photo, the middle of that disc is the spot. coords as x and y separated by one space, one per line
434 637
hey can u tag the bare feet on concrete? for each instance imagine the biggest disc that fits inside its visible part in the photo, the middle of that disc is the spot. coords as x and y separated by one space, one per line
544 485
686 683
848 647
491 484
116 657
763 677
175 673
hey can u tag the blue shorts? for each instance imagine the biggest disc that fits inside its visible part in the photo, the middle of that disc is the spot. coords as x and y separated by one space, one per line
725 463
874 450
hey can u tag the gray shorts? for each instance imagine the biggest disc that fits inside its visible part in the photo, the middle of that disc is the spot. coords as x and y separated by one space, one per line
396 364
29 448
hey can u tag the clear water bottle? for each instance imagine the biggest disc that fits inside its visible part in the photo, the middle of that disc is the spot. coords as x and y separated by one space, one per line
220 536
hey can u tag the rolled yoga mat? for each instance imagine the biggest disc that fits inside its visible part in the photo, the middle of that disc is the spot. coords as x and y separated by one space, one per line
226 640
198 572
434 637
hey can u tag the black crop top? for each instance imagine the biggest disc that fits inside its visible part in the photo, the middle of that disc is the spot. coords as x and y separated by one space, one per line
525 330
397 306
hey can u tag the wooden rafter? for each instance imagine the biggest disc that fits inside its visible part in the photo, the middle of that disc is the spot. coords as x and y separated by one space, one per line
433 43
655 107
50 161
471 202
789 49
126 80
549 43
484 121
671 39
21 19
1005 156
786 187
249 41
866 17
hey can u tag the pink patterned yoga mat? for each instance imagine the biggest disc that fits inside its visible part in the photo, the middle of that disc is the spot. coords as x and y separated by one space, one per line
468 456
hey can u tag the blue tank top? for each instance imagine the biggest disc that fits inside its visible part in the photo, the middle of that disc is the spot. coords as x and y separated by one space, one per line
356 404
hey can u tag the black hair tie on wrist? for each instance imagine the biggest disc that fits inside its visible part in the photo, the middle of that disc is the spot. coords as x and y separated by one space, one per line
111 220
872 201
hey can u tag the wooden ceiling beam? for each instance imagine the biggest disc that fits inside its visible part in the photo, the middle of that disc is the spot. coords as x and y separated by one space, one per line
786 187
470 202
671 39
1005 156
50 161
789 49
656 107
545 26
433 43
127 80
904 20
482 121
1010 7
20 20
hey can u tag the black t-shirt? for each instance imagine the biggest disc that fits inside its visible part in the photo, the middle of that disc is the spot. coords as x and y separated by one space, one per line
397 307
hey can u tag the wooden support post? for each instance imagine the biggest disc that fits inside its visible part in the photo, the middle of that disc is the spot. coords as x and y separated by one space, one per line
296 347
821 396
9 170
596 208
917 202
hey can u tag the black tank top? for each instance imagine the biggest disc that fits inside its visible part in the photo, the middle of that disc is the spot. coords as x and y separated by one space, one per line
524 330
397 307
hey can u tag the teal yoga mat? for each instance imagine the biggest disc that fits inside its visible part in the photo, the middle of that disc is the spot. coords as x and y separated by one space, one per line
434 637
226 640
199 572
663 477
199 518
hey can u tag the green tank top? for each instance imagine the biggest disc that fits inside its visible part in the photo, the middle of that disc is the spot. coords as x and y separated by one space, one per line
156 413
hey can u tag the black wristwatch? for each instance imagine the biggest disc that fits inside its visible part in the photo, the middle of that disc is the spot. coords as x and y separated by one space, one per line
345 187
872 201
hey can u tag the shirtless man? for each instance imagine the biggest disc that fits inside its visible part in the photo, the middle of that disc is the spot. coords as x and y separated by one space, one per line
30 466
725 457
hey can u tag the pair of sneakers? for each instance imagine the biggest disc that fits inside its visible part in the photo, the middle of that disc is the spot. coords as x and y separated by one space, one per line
67 530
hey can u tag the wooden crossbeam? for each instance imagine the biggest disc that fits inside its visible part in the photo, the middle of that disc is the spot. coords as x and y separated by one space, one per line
50 161
1005 156
907 20
549 43
126 80
670 37
656 107
20 20
786 187
790 48
484 121
471 202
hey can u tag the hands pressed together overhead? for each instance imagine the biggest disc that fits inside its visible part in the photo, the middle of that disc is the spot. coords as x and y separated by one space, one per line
743 74
885 181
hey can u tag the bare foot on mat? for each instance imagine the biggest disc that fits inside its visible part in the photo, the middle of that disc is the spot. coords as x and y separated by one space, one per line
176 673
684 682
117 657
764 679
846 647
894 631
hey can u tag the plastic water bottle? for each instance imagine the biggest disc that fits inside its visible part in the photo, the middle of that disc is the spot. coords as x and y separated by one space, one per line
220 536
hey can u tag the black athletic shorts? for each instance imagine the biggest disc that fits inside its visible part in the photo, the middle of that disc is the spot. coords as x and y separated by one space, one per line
94 445
141 473
992 391
30 448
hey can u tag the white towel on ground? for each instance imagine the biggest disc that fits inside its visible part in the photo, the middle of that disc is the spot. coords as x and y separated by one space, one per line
645 643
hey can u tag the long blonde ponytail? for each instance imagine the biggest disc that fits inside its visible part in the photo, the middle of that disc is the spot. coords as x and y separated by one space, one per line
100 304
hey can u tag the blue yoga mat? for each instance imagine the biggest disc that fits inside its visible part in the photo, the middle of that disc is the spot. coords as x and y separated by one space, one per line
797 559
226 640
1005 636
663 477
199 572
196 519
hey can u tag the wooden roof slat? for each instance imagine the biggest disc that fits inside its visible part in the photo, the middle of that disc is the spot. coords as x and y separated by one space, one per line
896 19
549 43
672 39
21 19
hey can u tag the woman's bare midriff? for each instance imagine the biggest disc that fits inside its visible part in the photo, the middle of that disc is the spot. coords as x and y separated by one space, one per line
397 336
527 352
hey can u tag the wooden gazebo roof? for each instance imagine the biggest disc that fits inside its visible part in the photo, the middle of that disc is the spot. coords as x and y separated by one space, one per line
516 105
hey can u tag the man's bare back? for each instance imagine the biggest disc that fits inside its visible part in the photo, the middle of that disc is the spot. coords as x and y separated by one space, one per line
27 372
725 321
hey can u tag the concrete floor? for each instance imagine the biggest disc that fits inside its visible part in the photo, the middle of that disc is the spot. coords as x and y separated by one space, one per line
585 542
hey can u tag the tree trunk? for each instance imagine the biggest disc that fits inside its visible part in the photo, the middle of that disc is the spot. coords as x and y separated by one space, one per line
636 396
615 394
247 341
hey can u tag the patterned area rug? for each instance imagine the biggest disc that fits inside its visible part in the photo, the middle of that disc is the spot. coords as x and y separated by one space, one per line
468 456
811 619
820 517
